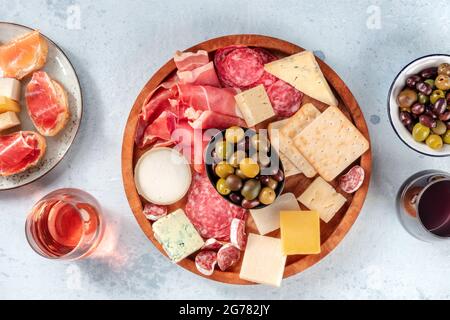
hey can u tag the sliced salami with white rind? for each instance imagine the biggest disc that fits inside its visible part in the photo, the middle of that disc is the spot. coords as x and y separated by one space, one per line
205 261
212 244
227 256
237 233
154 212
352 180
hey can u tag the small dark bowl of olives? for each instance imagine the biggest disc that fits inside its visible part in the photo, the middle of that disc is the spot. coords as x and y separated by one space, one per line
244 168
419 105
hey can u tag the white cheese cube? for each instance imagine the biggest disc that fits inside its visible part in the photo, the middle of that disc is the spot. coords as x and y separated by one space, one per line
10 88
8 120
255 105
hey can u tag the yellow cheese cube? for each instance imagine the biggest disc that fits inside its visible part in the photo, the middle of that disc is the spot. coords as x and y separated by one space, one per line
7 104
8 120
300 232
10 88
255 105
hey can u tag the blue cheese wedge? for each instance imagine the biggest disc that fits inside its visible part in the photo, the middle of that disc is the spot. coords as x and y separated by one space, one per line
255 105
177 235
302 71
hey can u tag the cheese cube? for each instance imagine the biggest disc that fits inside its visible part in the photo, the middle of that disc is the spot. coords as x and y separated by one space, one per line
177 235
267 219
255 105
323 198
263 260
10 88
300 232
8 120
302 71
7 104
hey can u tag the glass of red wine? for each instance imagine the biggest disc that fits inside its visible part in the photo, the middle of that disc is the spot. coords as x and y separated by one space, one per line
66 224
423 205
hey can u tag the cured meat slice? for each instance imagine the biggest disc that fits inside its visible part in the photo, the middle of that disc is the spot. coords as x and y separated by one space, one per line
47 104
209 212
20 151
352 180
188 61
243 67
267 80
212 244
206 261
210 119
265 55
204 75
219 59
285 98
154 212
227 256
220 100
237 233
161 128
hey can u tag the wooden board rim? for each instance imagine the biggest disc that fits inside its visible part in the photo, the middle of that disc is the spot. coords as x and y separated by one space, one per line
273 44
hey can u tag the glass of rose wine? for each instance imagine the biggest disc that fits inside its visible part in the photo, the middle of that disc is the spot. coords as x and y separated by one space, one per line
423 205
66 224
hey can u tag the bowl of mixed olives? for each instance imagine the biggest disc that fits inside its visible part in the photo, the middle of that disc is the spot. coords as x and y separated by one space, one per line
244 168
419 105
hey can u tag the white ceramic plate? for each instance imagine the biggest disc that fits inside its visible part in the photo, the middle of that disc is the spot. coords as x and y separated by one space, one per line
59 68
394 111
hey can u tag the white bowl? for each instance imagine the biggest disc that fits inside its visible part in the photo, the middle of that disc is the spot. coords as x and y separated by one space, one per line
394 111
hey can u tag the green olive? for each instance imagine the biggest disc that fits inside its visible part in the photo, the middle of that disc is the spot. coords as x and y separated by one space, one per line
251 189
444 69
420 132
434 142
423 98
267 196
224 169
443 82
234 134
222 187
249 167
240 174
260 143
262 158
446 137
440 128
406 98
234 183
430 82
236 158
224 149
436 95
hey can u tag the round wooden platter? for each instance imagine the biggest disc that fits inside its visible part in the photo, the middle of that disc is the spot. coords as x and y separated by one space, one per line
331 233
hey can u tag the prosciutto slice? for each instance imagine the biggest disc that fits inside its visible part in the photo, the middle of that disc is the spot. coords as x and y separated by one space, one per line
219 100
188 61
161 128
204 75
18 151
210 119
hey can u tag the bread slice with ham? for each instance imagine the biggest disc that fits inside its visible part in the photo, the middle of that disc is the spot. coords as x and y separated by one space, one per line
47 104
20 151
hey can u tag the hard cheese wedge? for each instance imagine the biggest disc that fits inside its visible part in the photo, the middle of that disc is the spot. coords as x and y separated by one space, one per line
331 143
323 198
177 235
302 71
300 232
255 105
268 219
263 260
10 88
8 120
7 104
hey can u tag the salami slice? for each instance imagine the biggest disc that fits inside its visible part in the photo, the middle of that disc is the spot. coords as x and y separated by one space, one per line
265 55
205 261
267 80
219 59
237 233
212 244
285 98
243 67
353 180
154 212
208 211
227 256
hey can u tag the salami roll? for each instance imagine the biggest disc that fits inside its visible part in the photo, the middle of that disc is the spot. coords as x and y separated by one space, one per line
352 180
212 244
227 256
285 98
154 212
205 261
237 233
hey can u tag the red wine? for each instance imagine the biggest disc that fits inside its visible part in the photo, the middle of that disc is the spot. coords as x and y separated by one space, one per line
434 208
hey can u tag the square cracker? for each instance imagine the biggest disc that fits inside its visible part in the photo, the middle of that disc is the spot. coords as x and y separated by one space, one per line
331 143
300 120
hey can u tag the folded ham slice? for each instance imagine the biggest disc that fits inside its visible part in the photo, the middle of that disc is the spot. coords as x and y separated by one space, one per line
161 128
188 61
20 151
204 75
210 119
